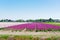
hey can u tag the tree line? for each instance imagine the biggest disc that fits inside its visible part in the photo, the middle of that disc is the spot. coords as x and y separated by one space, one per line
31 20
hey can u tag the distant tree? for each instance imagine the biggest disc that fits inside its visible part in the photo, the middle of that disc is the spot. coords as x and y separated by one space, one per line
20 20
38 20
1 20
51 20
56 20
30 20
6 20
44 20
10 20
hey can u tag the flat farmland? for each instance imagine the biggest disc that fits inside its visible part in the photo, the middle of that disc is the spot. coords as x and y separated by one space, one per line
29 35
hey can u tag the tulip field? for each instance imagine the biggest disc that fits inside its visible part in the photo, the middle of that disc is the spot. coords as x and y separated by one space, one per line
30 31
35 26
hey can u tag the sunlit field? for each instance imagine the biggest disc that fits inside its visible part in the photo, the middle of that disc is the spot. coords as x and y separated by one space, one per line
54 23
30 31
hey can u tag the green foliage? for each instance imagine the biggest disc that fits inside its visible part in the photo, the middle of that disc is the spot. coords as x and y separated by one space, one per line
51 20
20 20
1 28
49 29
48 39
28 37
4 36
31 20
6 20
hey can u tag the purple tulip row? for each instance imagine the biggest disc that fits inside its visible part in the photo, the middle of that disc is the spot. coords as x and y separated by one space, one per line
35 25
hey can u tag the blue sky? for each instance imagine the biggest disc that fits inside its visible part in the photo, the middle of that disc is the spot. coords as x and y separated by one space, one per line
29 9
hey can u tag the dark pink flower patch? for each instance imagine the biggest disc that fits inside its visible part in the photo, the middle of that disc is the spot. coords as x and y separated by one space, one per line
34 25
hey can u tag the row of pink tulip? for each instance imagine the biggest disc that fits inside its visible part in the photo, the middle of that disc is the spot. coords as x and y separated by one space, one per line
35 25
